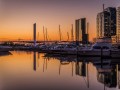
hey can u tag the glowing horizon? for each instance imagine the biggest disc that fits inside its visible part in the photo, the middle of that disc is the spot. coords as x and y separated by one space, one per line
17 17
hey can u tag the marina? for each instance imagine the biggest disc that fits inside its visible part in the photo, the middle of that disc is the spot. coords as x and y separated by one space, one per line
59 45
99 49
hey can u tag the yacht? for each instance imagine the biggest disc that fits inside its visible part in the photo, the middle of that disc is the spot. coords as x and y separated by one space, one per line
5 48
102 43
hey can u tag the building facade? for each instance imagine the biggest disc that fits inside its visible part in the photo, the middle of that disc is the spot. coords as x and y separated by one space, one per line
118 24
106 23
81 34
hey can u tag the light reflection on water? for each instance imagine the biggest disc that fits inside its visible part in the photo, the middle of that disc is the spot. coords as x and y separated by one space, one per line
36 71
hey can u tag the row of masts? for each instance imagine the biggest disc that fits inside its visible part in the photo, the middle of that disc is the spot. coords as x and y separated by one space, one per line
45 33
68 36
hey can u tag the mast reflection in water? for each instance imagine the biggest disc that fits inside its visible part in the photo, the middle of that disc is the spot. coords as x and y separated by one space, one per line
37 71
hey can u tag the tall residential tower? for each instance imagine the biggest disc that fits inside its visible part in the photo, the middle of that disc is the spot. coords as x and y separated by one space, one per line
106 23
80 31
118 24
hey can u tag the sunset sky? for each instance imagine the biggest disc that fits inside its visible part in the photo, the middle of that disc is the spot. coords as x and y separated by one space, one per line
17 17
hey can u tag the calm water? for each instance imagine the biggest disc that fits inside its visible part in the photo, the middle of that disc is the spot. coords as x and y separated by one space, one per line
33 71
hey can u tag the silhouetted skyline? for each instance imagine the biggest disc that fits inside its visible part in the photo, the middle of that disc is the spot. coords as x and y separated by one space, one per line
18 16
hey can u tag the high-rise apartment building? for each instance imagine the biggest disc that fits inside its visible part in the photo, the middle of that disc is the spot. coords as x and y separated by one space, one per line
106 23
118 23
81 34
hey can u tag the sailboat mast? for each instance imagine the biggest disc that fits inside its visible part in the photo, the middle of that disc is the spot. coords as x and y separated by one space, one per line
68 36
44 34
60 32
72 36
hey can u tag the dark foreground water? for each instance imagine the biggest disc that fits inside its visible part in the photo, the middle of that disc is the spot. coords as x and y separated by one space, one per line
33 71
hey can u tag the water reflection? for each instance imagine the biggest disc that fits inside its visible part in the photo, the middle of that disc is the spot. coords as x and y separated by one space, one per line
5 53
37 71
34 61
81 69
106 71
45 61
109 78
118 74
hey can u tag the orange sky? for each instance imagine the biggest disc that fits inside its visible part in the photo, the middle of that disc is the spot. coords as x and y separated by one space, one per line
17 17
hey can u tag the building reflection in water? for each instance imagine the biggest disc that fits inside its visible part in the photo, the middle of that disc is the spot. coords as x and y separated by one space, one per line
108 78
82 70
108 75
81 67
118 74
34 61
